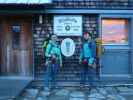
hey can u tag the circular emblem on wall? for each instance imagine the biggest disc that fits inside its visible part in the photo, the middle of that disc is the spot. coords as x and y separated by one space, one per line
67 28
68 47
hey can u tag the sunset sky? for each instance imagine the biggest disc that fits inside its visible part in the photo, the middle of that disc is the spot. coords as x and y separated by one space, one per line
114 31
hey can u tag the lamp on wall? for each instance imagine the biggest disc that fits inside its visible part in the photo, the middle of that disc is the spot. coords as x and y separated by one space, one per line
40 19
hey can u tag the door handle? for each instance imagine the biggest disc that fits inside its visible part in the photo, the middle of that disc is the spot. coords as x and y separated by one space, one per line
103 50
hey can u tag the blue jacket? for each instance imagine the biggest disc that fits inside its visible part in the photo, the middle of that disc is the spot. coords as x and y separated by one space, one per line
53 49
88 50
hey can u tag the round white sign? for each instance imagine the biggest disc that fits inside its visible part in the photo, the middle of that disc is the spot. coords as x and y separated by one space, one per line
67 47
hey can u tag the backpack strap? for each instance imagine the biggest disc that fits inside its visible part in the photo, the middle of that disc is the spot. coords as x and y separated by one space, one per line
44 46
50 47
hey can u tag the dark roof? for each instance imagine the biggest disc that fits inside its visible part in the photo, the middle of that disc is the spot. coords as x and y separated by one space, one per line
25 1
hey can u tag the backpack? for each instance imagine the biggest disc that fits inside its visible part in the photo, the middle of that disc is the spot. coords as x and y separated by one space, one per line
45 43
50 47
44 46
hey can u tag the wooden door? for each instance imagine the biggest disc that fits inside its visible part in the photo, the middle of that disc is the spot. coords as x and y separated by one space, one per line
115 58
16 46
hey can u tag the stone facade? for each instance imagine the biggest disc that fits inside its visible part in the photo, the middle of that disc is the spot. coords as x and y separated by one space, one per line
90 24
93 4
39 33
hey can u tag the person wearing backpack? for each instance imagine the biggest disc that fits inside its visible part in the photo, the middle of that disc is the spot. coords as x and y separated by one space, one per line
87 59
53 61
45 43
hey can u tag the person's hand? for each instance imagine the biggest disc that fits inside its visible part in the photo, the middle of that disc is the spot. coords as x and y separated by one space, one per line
46 63
61 65
90 65
53 56
94 65
49 55
80 61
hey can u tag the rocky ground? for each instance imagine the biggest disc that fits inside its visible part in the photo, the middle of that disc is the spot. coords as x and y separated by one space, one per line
76 93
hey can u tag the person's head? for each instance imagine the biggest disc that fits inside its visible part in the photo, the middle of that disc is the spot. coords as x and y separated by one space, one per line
86 36
54 38
47 37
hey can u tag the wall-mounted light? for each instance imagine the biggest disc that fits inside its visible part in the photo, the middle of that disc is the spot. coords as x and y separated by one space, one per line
40 19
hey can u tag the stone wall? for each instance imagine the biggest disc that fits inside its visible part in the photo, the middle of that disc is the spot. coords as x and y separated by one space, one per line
90 24
93 4
39 33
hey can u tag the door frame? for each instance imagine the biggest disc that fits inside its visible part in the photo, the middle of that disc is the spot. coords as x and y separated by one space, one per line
20 17
17 82
130 35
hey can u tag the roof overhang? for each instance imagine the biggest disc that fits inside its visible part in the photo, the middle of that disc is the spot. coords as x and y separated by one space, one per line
25 2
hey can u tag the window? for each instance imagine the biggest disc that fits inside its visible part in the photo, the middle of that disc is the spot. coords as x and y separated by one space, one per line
15 35
114 31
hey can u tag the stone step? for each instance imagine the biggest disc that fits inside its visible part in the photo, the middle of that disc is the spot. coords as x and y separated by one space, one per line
62 69
62 79
77 74
58 84
63 73
40 83
66 79
60 73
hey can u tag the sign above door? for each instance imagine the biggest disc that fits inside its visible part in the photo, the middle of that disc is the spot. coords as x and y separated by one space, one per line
68 25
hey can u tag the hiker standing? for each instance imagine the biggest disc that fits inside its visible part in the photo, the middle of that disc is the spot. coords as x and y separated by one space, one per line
45 44
53 61
87 58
